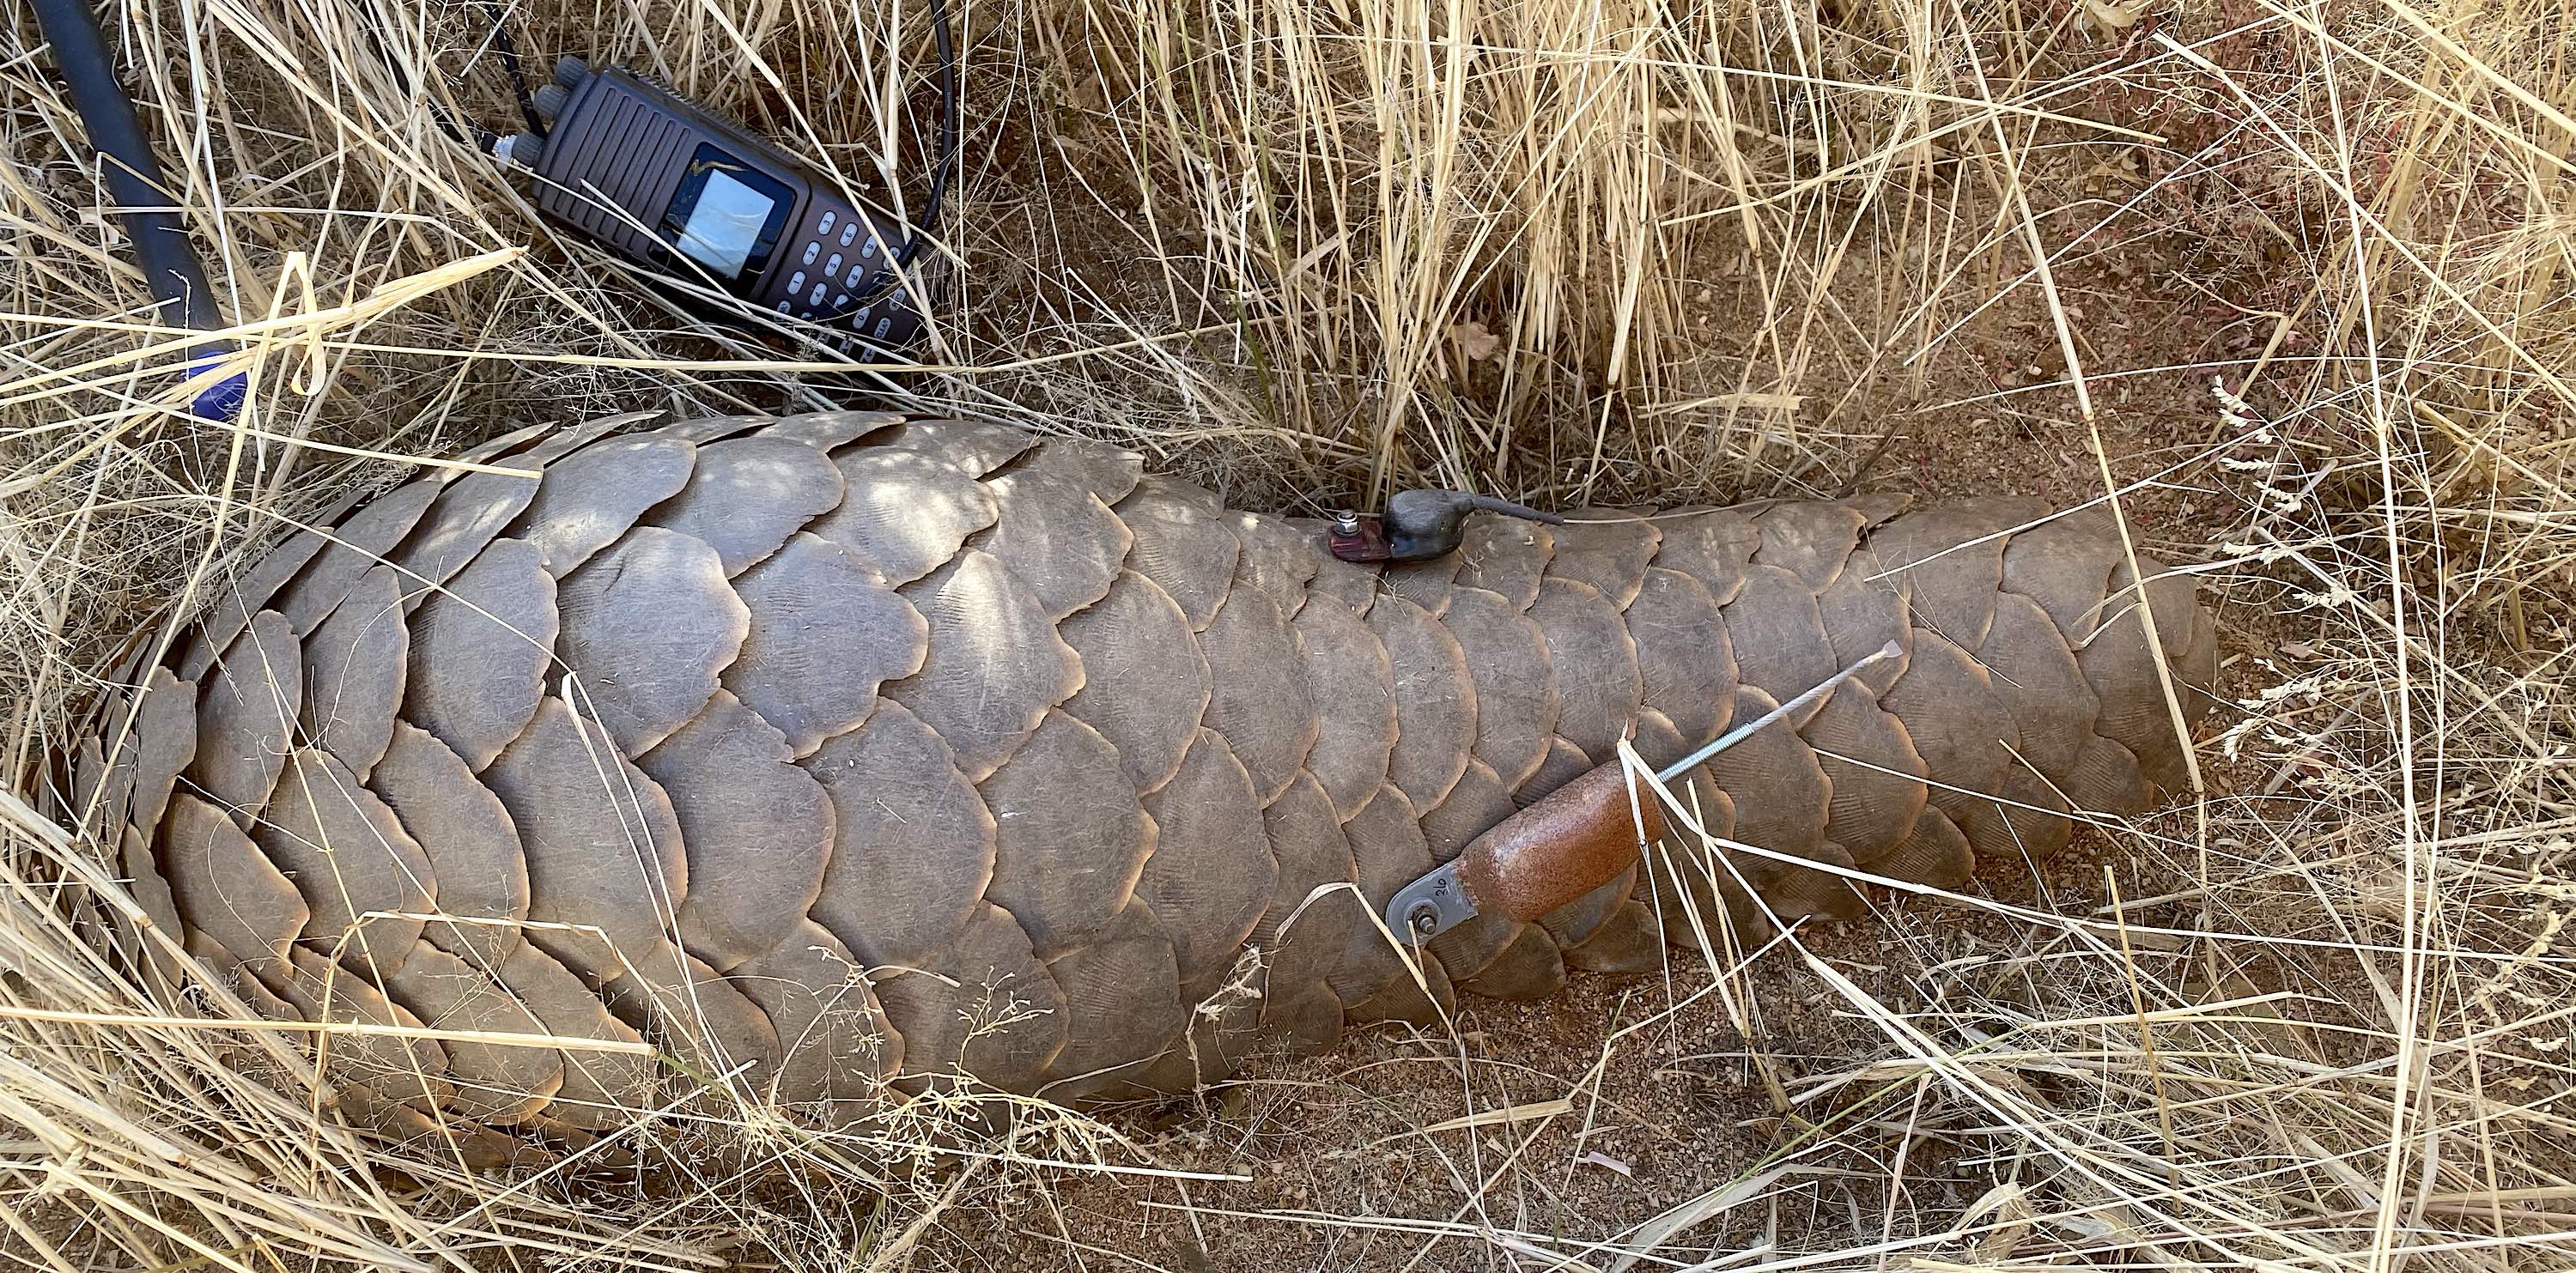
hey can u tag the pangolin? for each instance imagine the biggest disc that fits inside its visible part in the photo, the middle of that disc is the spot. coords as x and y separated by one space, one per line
842 758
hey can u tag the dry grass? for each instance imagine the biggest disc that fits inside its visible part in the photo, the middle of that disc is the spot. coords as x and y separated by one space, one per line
2318 1018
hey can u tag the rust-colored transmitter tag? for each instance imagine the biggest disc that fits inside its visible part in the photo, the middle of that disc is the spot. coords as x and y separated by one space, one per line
1571 841
1577 838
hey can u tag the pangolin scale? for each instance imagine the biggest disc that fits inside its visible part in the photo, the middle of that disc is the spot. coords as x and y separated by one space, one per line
842 756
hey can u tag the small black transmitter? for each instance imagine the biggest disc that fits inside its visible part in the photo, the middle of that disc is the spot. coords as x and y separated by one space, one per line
672 186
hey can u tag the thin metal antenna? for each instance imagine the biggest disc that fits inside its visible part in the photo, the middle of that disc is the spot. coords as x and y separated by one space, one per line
1741 732
1439 901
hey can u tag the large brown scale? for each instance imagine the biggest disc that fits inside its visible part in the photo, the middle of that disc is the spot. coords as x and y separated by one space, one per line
839 756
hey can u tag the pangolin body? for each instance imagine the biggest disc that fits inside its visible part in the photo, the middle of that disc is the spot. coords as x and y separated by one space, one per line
839 756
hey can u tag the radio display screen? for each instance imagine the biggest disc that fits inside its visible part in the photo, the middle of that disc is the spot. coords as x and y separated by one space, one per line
727 215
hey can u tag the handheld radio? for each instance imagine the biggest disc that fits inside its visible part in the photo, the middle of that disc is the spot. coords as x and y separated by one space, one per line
671 186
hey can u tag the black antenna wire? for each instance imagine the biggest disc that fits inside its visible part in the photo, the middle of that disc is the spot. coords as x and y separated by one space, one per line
471 132
949 111
509 54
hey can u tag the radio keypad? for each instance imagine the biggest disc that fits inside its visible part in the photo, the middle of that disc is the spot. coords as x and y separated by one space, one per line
836 275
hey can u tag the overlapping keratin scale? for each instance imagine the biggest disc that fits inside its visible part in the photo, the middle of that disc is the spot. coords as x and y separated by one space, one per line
845 756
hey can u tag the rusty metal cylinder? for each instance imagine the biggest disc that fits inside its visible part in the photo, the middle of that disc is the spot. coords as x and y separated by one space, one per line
1567 843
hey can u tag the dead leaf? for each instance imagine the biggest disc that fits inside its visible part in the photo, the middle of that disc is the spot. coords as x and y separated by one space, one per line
1475 341
2011 1212
1599 1159
2111 17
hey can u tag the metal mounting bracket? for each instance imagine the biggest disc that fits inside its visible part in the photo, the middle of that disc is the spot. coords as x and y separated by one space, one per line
1430 906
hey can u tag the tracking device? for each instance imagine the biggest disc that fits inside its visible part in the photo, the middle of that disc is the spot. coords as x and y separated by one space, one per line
678 189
